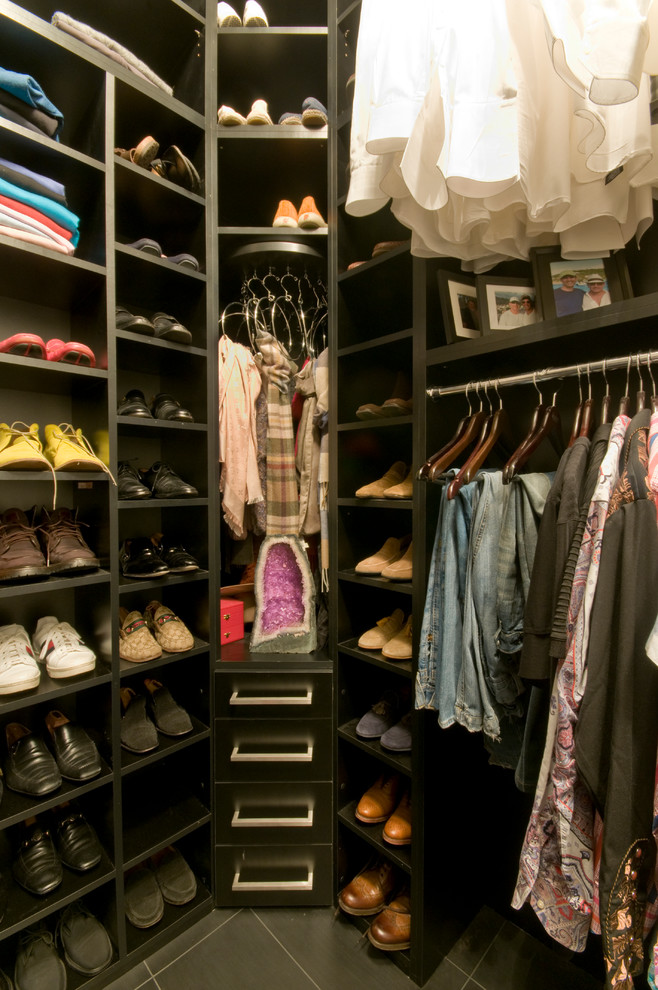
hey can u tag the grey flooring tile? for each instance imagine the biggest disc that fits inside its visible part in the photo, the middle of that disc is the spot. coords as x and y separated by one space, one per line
134 978
477 938
332 950
239 955
187 939
447 976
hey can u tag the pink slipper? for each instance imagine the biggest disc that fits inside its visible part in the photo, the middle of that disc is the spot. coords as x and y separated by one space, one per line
70 352
27 344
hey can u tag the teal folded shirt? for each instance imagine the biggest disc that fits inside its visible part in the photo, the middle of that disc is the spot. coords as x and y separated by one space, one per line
60 214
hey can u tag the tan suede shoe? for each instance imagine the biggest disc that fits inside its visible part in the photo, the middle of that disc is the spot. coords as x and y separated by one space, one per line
379 635
386 555
403 489
400 569
393 477
399 648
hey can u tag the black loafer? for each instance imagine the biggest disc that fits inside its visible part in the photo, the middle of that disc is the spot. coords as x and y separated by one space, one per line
134 404
129 483
30 767
177 559
139 559
37 866
125 320
165 483
174 876
75 753
164 406
75 840
169 717
167 327
143 901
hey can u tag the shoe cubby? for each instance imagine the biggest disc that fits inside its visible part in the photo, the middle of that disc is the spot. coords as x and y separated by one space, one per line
366 454
384 372
372 302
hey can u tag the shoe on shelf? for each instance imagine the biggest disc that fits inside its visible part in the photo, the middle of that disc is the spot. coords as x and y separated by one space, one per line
177 168
138 559
369 891
399 648
167 327
290 118
169 717
254 15
136 643
21 556
176 557
30 767
227 17
75 752
143 900
309 217
392 550
125 320
259 114
314 114
391 930
404 488
19 670
165 483
397 830
147 246
400 569
133 403
398 738
62 542
398 404
129 482
164 406
70 352
379 801
170 632
138 733
37 867
27 344
382 632
68 450
143 154
227 116
183 260
395 474
86 944
21 448
383 246
75 840
175 878
38 964
382 716
286 215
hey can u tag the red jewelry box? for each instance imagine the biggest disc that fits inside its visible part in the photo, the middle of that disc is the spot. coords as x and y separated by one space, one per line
231 619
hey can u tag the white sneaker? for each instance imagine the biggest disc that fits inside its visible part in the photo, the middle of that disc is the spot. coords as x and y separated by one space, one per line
254 15
18 668
60 647
227 17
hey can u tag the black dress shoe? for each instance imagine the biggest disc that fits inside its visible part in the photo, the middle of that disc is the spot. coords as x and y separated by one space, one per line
75 840
30 767
165 483
164 406
75 753
129 483
170 718
138 733
177 559
139 559
134 404
37 866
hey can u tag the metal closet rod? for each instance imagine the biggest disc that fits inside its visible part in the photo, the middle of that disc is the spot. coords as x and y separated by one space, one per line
535 377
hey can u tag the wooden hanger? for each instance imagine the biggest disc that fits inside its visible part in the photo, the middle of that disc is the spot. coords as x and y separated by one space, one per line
468 430
607 399
625 401
495 429
549 428
575 426
640 395
587 411
508 470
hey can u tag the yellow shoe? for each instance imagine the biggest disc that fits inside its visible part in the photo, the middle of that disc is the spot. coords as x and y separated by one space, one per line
21 449
68 450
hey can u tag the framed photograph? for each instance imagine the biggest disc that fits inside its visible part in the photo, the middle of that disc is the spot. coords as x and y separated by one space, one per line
459 305
506 303
568 287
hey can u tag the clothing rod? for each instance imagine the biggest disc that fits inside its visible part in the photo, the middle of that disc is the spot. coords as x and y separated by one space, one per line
535 377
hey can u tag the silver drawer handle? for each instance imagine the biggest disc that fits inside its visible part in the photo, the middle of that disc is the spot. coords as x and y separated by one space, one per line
238 757
239 884
302 822
297 699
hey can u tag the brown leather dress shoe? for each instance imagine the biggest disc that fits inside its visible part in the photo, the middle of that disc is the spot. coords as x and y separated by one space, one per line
391 930
368 892
378 802
397 830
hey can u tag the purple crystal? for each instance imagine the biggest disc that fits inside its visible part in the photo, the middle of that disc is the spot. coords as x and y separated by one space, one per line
282 589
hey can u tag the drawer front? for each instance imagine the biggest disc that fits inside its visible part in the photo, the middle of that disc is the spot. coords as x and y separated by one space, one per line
273 875
261 694
264 812
272 749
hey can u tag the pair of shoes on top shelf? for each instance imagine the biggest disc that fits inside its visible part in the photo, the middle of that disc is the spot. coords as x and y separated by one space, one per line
143 636
51 543
308 217
253 16
144 715
159 481
66 448
85 943
162 326
162 406
392 561
313 114
397 482
166 877
149 246
172 165
152 557
63 351
391 635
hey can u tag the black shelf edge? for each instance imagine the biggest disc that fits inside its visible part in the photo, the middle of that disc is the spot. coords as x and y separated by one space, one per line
368 264
189 10
52 145
256 32
238 652
162 830
375 424
6 474
158 179
62 259
151 259
54 367
349 10
128 668
148 503
278 132
135 423
49 688
405 587
17 807
373 835
128 585
368 345
400 762
377 503
167 745
50 584
166 345
402 667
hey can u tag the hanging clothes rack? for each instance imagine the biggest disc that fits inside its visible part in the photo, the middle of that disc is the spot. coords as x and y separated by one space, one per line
535 377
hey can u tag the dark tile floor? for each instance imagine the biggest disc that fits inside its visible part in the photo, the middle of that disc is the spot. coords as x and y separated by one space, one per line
311 949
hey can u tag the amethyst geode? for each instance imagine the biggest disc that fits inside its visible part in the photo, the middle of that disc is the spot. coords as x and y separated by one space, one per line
285 598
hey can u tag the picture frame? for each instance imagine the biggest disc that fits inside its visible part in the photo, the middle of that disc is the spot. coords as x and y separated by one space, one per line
599 281
506 303
459 306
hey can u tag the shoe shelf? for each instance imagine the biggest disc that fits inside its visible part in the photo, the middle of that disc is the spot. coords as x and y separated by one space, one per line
28 374
169 823
369 346
400 856
376 503
402 587
163 266
50 585
400 667
127 668
162 503
68 279
17 807
51 688
130 762
374 424
128 585
163 351
400 762
139 426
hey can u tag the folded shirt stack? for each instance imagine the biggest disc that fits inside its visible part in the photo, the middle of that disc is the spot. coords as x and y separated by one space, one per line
23 101
33 208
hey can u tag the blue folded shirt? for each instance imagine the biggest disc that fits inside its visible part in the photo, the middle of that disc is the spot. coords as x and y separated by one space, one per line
28 90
